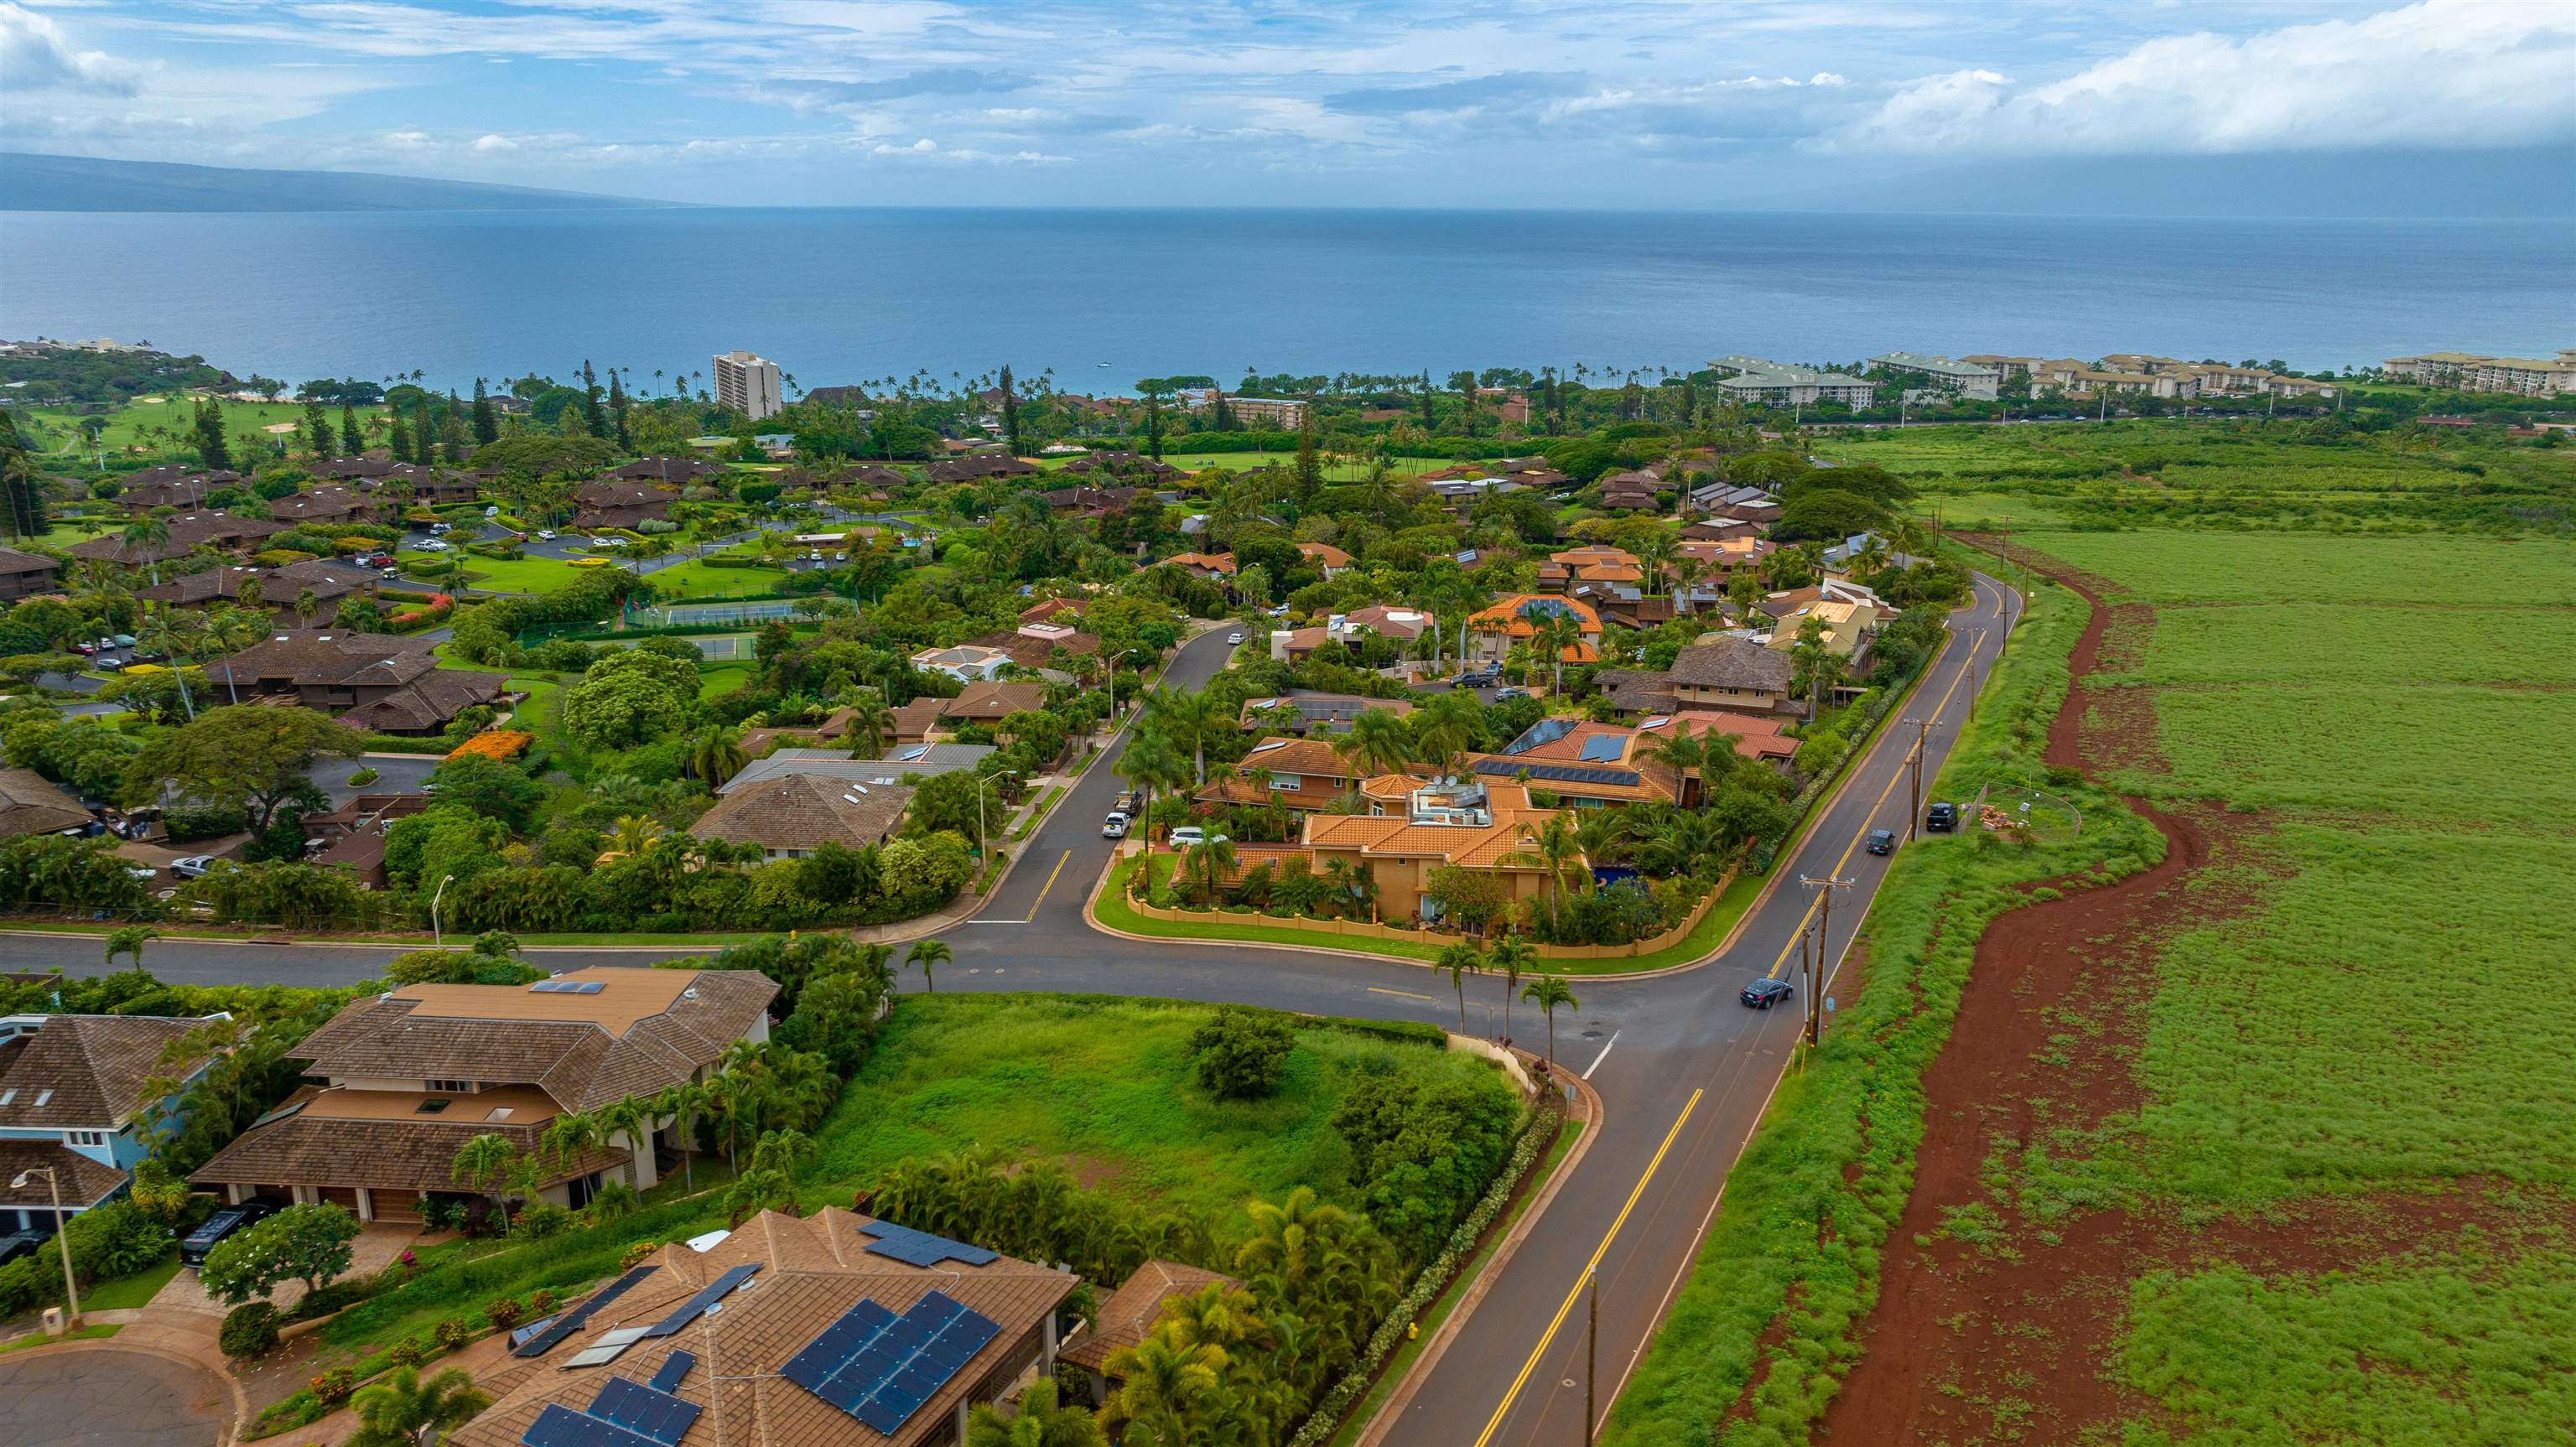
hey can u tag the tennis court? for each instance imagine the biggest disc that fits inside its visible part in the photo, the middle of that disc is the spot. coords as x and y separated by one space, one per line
718 615
713 647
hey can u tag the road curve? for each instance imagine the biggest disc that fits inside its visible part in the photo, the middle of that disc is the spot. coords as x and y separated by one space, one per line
1684 1070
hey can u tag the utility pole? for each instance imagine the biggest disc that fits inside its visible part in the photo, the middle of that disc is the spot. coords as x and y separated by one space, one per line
1826 884
1591 1355
1914 766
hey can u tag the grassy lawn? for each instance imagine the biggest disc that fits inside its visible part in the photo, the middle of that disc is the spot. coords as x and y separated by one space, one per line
718 679
131 1291
1105 1086
95 1331
694 579
158 427
518 575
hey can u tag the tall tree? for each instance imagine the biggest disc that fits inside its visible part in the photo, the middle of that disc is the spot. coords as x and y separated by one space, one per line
1510 957
398 441
317 428
925 954
1154 424
1461 960
212 449
591 414
21 490
352 441
617 412
1011 413
1547 992
487 424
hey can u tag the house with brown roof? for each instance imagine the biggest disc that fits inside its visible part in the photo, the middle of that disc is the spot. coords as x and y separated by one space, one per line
24 575
376 682
832 727
1756 736
618 504
1301 712
1128 1315
791 815
1733 675
1215 567
75 1090
1050 610
399 1082
188 532
30 803
1583 764
1307 775
1483 825
665 471
1035 645
1084 500
1491 631
830 1330
992 702
1331 561
1630 491
977 466
331 584
328 503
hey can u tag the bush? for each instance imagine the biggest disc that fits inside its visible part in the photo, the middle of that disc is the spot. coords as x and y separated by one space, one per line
1242 1052
250 1330
453 1334
503 1312
364 777
333 1387
204 821
409 1352
540 1219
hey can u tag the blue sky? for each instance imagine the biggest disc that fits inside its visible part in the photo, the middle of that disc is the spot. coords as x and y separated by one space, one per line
1617 103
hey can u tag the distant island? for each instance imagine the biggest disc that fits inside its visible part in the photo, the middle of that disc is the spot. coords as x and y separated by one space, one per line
32 182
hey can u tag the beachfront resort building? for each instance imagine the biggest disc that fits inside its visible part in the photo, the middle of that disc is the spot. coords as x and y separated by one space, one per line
1753 381
747 383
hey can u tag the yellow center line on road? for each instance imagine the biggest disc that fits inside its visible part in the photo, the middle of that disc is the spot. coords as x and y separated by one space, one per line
1809 917
1575 1292
1408 994
1050 884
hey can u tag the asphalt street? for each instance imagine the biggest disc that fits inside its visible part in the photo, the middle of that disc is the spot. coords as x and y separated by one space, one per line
1683 1068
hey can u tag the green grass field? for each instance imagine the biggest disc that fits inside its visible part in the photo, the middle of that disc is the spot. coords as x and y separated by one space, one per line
149 430
1105 1086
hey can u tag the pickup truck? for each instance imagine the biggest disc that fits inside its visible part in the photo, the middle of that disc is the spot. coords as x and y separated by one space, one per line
1941 818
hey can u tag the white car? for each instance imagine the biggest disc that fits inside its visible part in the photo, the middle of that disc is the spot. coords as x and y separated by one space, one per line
608 542
143 872
1114 827
1190 836
545 535
431 545
1235 637
192 867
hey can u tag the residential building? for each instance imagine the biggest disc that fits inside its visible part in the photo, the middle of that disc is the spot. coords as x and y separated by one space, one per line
1493 630
1128 1315
790 813
2477 372
1959 377
833 726
1483 825
1731 675
1331 561
30 803
816 1331
1850 627
1756 736
1584 764
188 532
327 503
1305 774
1278 414
375 682
606 504
74 1092
666 471
1040 645
991 702
330 583
1632 491
399 1082
747 383
978 466
1754 381
965 662
1728 501
911 761
184 488
1084 500
24 575
1215 567
2004 368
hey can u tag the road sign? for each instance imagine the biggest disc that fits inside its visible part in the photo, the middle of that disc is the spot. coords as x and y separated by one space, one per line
1829 1004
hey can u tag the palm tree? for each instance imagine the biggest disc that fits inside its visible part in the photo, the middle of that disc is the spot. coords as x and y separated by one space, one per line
486 1164
684 1103
1510 957
146 534
1191 719
1686 754
571 1135
1378 743
170 634
1555 852
1039 1422
403 1409
632 834
1213 860
1461 960
630 1119
1687 571
715 755
871 719
129 940
1150 763
1547 992
1161 1383
927 953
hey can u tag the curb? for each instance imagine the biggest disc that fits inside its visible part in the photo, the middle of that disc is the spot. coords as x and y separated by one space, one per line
1473 1293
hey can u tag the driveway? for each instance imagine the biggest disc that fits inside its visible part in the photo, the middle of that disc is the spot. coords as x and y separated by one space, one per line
86 1397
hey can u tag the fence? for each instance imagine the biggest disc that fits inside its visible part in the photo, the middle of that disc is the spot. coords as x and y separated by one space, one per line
690 615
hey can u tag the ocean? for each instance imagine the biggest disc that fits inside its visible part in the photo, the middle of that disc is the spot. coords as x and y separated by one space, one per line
1104 297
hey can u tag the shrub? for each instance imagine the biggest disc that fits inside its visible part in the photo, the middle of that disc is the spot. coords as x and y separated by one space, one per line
409 1352
364 777
453 1334
503 1312
331 1297
250 1330
541 1219
334 1386
543 1303
1242 1052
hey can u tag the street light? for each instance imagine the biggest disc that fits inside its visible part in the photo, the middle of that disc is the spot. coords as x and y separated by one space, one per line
438 937
62 1237
981 831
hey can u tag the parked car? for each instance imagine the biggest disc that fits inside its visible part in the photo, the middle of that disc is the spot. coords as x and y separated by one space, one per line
105 664
1882 841
1190 836
1125 803
1114 827
19 1243
609 542
192 1252
1502 695
436 528
1235 638
192 867
389 573
545 535
1941 818
491 512
1766 992
432 545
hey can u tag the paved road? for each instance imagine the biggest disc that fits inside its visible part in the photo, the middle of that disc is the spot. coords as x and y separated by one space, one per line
1683 1068
91 1398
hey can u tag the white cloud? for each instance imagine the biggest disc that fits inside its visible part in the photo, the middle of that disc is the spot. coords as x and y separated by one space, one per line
2443 73
488 144
35 54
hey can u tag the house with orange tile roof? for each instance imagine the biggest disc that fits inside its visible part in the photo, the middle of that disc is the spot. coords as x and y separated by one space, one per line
1214 566
1307 775
1493 630
1473 825
1331 560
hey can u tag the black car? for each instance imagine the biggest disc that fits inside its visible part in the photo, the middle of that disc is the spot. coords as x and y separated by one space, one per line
192 1252
1941 818
1882 841
19 1243
1764 993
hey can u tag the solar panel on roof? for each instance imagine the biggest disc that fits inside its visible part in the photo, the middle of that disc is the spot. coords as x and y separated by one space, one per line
708 1295
636 1408
1604 748
674 1368
561 1426
899 1362
573 1320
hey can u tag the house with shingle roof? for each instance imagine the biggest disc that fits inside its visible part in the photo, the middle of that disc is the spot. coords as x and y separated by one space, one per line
188 532
792 814
834 1329
399 1082
1735 675
74 1092
30 803
1128 1315
377 682
24 575
330 583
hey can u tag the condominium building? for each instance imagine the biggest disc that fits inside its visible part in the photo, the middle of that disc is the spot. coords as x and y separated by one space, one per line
1281 413
747 383
1972 380
1779 384
2473 372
